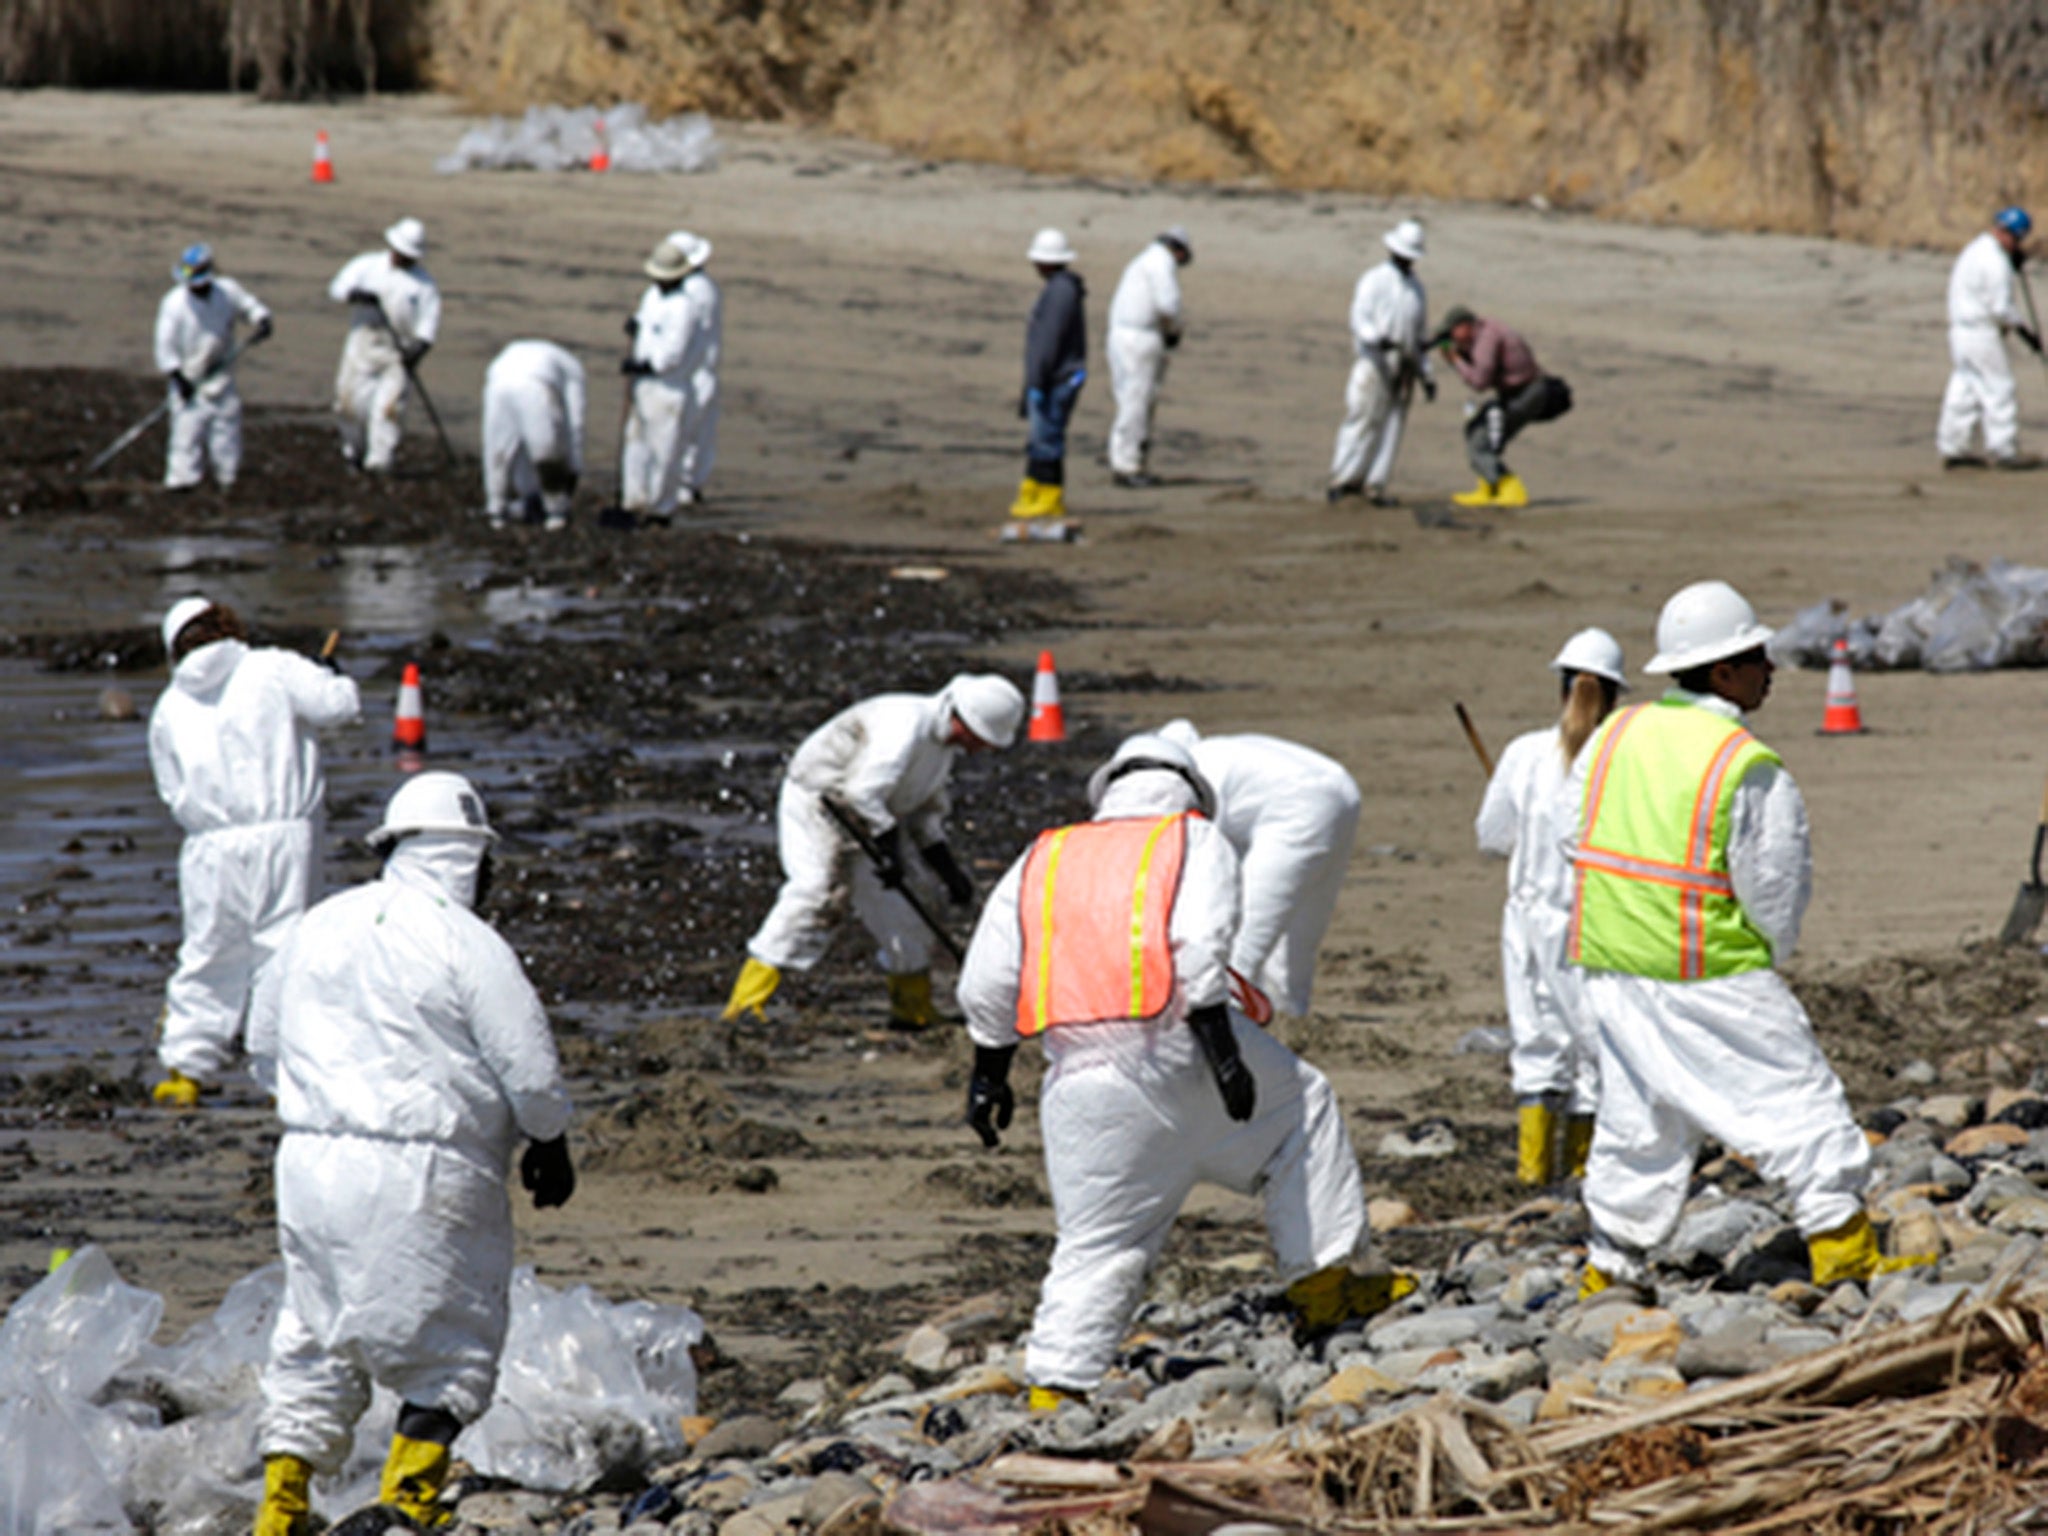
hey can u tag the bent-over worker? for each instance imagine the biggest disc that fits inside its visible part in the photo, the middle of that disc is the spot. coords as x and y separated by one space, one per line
195 333
887 762
1291 815
394 316
1109 941
1554 1060
1982 306
233 749
535 395
409 1054
1144 326
1693 871
1496 362
1388 327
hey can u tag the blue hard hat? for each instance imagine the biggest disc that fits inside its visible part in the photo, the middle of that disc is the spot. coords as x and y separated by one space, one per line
194 262
2014 222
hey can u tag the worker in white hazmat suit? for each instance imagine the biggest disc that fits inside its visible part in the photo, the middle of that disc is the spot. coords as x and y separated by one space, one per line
672 373
535 396
1109 941
394 317
886 762
1554 1062
409 1054
1292 816
195 333
1982 306
1144 326
232 745
1693 871
1389 326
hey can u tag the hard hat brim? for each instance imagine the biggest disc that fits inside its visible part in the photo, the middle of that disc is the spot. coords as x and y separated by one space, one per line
1666 663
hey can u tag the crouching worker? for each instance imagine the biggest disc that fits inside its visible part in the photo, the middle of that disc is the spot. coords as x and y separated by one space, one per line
408 1054
885 762
1110 941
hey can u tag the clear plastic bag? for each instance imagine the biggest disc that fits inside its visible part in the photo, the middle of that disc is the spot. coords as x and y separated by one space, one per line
565 139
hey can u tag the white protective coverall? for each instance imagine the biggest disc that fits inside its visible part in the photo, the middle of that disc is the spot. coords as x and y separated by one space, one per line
193 333
231 744
1388 327
672 428
371 384
1982 306
535 395
1732 1057
408 1053
1292 815
1556 1050
1132 1121
889 760
1143 315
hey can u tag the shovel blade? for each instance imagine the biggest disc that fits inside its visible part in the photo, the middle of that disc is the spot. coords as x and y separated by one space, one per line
2025 916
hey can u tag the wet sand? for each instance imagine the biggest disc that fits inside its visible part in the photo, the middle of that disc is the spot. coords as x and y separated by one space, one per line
1759 409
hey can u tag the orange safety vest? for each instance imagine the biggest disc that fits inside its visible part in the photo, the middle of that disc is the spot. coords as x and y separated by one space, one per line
1095 906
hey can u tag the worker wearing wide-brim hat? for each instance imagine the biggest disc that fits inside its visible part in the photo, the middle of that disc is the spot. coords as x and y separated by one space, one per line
1693 870
394 318
672 372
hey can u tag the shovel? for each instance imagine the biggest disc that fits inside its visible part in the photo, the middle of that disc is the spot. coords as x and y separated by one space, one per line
852 826
2025 916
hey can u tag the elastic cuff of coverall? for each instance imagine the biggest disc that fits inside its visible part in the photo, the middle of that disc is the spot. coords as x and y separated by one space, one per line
1618 1265
1826 1213
198 1063
324 1457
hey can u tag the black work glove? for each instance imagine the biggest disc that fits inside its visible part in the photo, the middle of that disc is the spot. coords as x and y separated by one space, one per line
1429 390
330 664
415 350
1024 405
632 326
263 329
182 385
634 368
545 1169
959 889
1233 1078
990 1104
2031 337
889 858
362 296
1172 340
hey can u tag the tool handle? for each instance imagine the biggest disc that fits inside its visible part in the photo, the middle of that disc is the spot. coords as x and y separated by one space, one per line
853 827
333 639
2034 867
1485 757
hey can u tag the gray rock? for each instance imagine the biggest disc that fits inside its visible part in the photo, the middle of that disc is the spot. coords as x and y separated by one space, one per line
1952 1111
1788 1341
742 1437
1296 1381
1430 1138
1521 1407
887 1385
808 1393
1533 1287
1927 1299
1918 1074
1562 1353
1510 1333
1737 1347
1437 1329
1406 1365
1271 1354
1492 1378
1485 1040
1712 1230
507 1510
837 1495
1951 1175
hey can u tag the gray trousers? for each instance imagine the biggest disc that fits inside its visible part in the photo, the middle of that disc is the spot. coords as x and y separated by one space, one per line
1495 424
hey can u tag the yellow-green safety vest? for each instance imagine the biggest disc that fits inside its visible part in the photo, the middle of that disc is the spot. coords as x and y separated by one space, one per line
1652 893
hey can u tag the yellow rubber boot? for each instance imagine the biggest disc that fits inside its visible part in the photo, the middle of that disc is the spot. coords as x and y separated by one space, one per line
1051 1399
1578 1145
1535 1143
1510 492
287 1507
910 1000
1481 495
176 1092
414 1474
1052 501
1030 495
1334 1295
1850 1252
757 983
1593 1282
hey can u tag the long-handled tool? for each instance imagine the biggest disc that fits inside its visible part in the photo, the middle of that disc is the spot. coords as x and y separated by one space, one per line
2032 899
616 515
120 444
853 827
1472 735
412 373
2033 315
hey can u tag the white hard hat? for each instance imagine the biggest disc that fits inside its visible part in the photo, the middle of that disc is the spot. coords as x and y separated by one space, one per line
1178 235
667 263
1594 651
1181 733
695 248
1707 621
1049 248
990 706
433 802
1406 240
1150 752
183 612
408 237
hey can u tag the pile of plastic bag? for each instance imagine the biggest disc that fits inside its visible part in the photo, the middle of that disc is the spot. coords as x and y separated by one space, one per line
103 1431
1971 618
565 139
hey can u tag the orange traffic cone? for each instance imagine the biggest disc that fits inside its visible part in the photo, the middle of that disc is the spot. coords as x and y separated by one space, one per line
1048 719
1844 715
409 725
323 162
601 157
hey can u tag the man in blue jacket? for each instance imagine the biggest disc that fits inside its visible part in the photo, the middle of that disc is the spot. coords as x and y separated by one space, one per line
1055 368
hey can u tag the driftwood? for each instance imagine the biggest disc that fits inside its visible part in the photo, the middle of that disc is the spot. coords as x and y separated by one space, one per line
1937 1426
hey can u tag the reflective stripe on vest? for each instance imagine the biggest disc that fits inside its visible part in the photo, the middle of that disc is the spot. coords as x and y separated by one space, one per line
1095 905
1652 894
